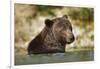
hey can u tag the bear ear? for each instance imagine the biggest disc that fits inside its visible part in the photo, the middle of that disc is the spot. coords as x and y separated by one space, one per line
48 22
65 16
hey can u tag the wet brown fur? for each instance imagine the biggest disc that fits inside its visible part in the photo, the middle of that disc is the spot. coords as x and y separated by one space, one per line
48 40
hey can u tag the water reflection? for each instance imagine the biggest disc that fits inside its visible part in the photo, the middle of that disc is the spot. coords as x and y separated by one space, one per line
54 58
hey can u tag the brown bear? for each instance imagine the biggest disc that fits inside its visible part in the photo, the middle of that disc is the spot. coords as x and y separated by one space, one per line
53 38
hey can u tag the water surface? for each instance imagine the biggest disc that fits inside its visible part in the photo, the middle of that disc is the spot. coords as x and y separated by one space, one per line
54 58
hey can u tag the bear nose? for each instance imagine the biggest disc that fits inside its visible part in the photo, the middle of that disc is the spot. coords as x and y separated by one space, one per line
72 38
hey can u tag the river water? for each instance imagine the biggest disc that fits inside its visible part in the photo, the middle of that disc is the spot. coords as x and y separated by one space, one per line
54 58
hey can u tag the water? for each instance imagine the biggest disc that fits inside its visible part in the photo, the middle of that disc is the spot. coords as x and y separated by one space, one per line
54 58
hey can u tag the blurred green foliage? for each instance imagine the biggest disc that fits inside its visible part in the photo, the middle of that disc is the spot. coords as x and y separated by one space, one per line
45 10
83 14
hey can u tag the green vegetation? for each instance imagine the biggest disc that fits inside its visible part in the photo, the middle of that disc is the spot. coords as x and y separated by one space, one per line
83 14
45 10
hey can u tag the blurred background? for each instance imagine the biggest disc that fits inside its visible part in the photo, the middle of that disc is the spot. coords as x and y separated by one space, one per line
29 21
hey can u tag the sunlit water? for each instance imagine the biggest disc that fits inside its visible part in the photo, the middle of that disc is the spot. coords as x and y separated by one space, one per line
54 58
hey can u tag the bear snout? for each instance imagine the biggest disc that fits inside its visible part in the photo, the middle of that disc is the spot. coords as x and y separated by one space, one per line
70 39
68 36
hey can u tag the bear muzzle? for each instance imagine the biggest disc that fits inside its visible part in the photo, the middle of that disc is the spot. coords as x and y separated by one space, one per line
68 37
